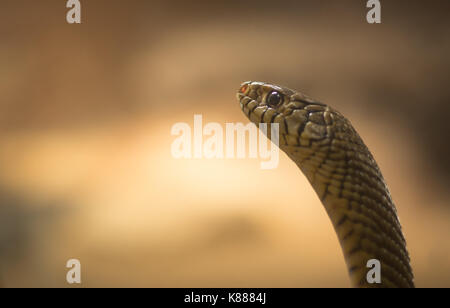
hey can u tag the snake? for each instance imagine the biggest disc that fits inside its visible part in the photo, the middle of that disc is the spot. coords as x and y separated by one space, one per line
343 173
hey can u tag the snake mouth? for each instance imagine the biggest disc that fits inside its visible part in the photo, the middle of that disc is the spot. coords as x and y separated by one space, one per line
246 103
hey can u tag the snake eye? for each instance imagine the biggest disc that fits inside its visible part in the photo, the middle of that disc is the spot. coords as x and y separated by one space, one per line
274 98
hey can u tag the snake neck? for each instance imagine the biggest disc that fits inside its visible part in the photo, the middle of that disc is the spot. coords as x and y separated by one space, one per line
349 183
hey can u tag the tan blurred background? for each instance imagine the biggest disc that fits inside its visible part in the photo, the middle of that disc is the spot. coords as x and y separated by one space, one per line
85 118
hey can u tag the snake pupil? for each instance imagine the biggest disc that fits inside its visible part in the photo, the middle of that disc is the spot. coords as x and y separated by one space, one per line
274 98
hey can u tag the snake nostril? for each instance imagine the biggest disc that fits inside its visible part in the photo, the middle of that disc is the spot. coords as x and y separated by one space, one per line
244 88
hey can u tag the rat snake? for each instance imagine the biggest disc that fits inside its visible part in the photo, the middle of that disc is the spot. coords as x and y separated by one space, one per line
344 174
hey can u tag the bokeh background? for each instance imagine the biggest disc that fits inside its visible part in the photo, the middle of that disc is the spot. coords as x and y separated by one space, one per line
86 112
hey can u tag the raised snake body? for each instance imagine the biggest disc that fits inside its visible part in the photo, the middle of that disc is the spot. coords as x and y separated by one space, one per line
344 174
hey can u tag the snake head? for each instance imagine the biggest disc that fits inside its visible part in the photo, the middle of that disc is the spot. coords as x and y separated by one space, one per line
301 119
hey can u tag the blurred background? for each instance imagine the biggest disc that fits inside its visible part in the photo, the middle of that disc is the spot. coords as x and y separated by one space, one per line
86 111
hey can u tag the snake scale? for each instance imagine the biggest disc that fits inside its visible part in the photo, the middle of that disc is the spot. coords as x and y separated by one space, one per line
344 174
